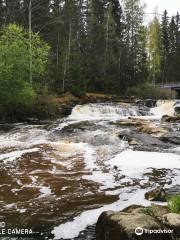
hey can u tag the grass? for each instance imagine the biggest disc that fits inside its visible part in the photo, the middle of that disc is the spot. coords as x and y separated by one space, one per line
174 204
149 210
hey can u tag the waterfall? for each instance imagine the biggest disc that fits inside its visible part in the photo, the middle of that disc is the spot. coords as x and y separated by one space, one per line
164 107
103 111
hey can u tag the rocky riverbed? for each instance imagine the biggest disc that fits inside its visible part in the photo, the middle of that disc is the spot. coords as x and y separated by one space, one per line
58 177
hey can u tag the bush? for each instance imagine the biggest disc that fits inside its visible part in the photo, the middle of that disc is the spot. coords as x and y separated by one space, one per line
147 90
16 92
77 91
174 204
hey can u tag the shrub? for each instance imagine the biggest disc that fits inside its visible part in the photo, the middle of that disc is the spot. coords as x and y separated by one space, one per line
174 204
147 90
16 92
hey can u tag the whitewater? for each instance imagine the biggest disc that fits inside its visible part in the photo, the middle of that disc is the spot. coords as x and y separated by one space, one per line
63 175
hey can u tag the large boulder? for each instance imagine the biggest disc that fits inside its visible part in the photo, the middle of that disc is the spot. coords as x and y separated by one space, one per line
129 226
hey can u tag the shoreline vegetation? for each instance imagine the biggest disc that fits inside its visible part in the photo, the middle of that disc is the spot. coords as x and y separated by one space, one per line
50 107
46 106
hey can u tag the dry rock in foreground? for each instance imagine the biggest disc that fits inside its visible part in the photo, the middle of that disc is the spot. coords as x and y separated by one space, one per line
128 225
172 220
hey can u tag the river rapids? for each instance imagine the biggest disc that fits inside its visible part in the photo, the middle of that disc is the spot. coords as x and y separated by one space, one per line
57 178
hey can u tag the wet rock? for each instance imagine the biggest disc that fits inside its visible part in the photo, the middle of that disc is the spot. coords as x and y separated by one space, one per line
172 138
171 119
133 142
122 225
134 122
142 126
177 107
151 130
156 195
84 125
141 139
147 103
172 220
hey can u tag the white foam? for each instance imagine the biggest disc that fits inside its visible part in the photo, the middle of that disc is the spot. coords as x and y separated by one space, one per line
71 229
12 156
102 111
135 163
45 190
164 107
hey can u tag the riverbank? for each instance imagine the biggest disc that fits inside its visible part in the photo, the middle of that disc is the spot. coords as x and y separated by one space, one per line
50 107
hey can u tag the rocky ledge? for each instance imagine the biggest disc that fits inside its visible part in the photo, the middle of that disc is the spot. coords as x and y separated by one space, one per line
137 222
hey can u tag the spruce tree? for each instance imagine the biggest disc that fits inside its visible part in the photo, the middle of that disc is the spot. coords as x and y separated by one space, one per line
165 41
96 36
133 26
1 13
13 11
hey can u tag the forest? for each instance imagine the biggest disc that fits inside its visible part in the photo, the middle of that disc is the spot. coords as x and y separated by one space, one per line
81 46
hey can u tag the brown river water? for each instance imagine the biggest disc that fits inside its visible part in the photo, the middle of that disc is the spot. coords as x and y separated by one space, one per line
57 177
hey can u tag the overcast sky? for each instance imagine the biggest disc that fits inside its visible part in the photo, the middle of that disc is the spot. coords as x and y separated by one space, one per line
172 6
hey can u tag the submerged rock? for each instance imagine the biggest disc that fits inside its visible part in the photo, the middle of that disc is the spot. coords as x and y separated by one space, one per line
156 195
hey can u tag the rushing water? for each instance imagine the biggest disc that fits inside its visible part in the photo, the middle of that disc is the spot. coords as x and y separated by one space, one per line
57 178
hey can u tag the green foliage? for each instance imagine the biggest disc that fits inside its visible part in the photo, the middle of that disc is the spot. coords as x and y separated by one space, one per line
77 91
174 204
154 50
100 46
150 210
147 90
15 89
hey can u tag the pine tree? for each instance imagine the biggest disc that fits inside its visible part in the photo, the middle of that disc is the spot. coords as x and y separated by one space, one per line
113 46
173 58
165 41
